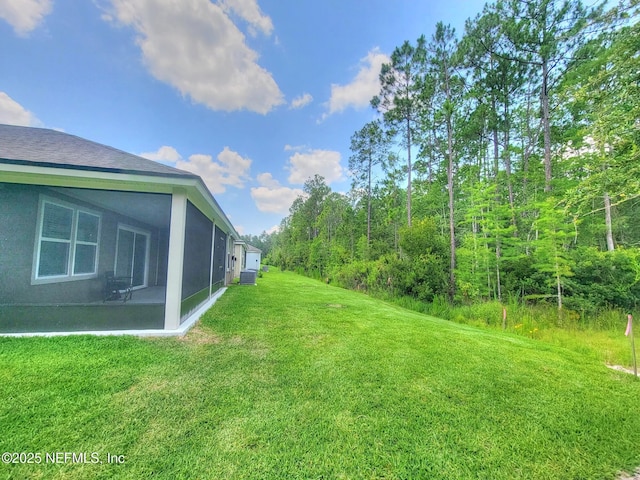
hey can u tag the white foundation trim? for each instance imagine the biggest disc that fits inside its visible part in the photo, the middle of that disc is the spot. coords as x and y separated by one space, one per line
179 332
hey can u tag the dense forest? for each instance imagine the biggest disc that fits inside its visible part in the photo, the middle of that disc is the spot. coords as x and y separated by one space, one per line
503 164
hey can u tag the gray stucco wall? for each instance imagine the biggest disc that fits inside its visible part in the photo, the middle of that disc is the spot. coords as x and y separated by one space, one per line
18 217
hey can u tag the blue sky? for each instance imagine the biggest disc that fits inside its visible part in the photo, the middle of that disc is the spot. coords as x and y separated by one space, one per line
254 96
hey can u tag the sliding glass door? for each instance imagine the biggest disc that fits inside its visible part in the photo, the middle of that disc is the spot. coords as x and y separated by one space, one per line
132 253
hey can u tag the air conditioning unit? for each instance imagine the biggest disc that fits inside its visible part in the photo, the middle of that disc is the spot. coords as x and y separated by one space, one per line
248 277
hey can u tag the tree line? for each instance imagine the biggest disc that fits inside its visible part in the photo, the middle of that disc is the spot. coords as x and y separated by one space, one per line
503 163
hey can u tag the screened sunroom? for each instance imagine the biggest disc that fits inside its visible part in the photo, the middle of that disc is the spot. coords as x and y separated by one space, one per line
97 240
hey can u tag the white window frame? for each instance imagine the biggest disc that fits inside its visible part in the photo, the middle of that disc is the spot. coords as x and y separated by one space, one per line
70 276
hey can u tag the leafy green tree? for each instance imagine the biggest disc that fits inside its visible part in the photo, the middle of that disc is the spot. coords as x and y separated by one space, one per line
497 85
605 101
423 237
369 147
480 216
421 271
553 238
390 198
545 35
444 62
264 241
316 190
604 279
399 99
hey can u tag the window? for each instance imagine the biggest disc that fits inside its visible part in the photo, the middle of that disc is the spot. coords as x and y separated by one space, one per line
86 243
67 245
132 252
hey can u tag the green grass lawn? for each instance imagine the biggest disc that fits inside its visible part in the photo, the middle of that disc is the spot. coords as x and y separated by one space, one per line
297 379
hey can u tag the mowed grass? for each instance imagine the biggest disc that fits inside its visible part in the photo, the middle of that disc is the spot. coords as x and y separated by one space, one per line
298 379
600 336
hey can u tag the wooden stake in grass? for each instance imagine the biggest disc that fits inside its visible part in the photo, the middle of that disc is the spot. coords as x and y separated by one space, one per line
629 332
504 318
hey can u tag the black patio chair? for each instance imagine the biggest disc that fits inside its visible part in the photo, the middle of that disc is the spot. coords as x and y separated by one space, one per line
117 288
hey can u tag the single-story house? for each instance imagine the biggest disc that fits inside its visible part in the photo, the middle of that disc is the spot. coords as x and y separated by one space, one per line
239 257
253 258
96 239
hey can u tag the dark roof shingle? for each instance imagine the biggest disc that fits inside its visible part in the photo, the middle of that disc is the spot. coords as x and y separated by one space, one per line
44 147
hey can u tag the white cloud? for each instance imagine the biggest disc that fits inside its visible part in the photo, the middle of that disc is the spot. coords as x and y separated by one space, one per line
230 169
267 180
301 101
12 113
24 15
249 11
164 154
294 148
194 46
274 229
239 229
303 166
275 200
271 197
362 88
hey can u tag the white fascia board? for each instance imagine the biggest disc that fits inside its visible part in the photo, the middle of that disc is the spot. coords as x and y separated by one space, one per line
67 177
